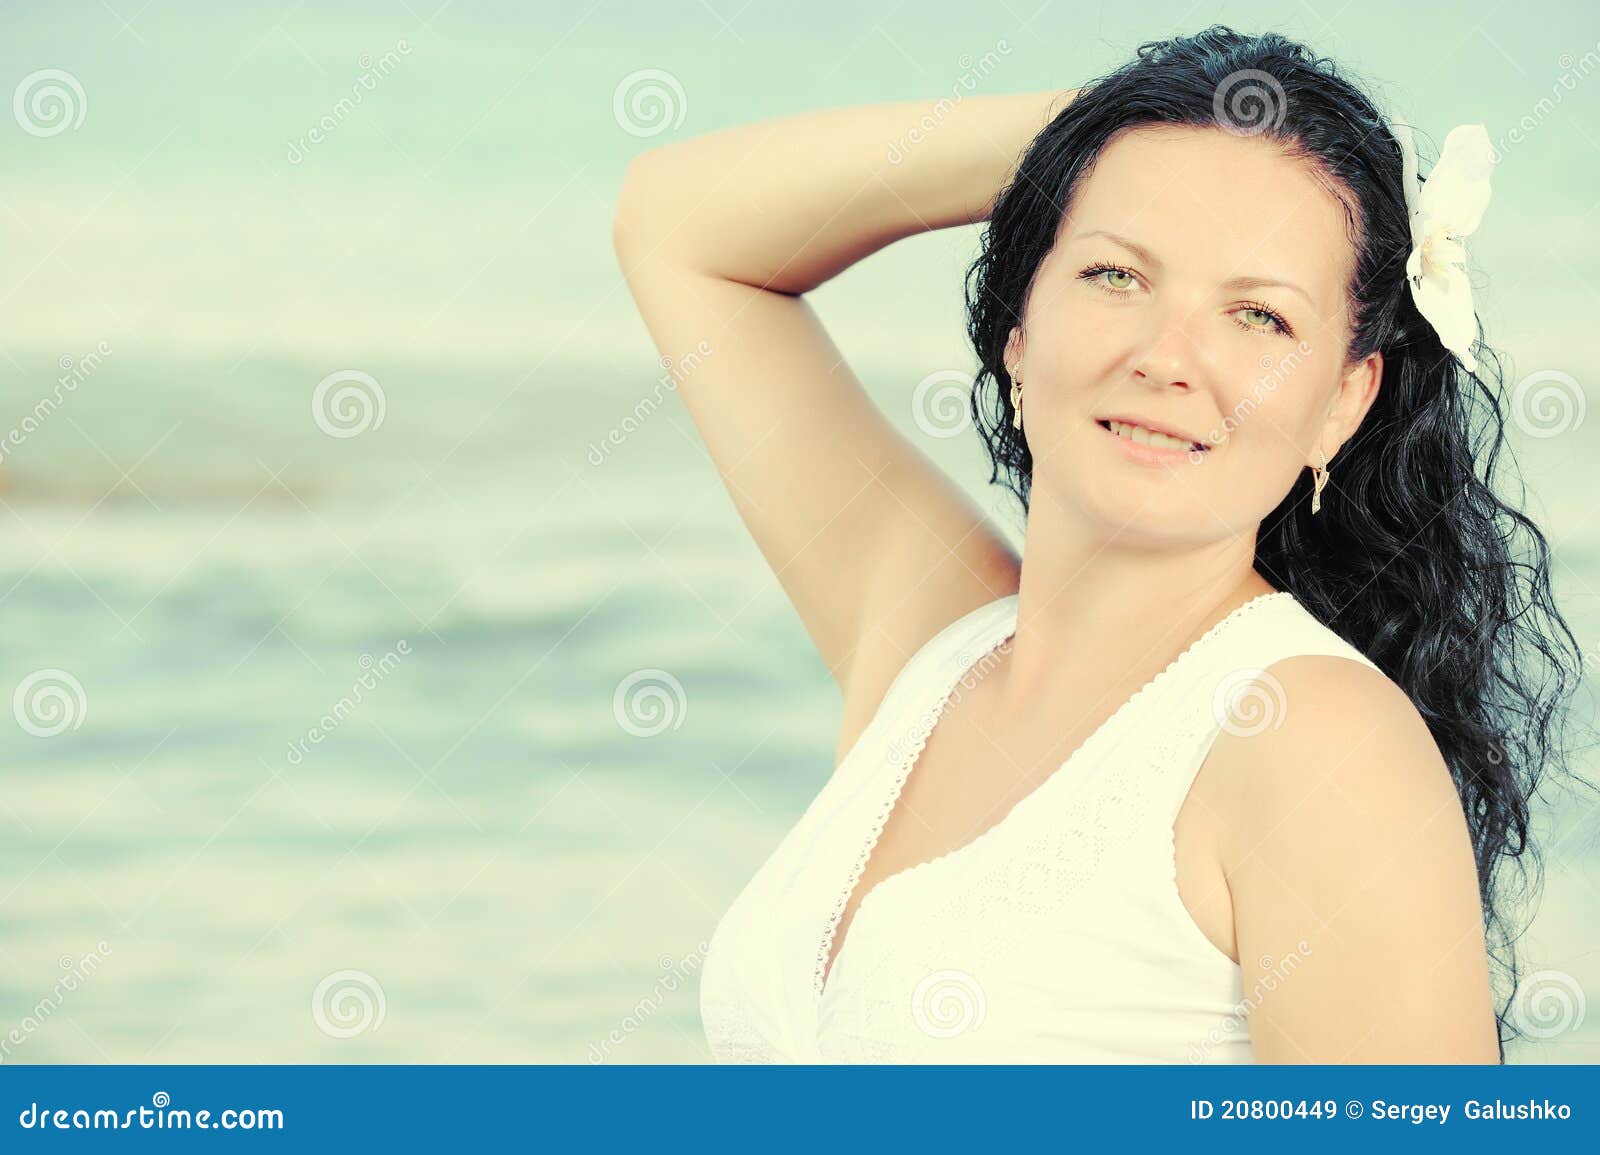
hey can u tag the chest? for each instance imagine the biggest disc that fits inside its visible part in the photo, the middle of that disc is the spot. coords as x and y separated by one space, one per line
974 769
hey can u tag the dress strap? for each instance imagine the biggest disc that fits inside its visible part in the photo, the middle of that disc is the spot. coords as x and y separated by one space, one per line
1231 687
951 650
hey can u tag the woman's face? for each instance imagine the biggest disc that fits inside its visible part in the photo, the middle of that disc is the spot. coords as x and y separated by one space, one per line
1197 285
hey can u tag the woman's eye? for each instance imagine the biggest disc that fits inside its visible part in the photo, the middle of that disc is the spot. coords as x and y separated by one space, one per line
1097 275
1265 321
1117 281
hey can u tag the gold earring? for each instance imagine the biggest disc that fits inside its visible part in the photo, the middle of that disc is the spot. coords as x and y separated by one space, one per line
1016 402
1321 477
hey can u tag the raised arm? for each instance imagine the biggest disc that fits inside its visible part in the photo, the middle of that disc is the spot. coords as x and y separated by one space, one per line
718 237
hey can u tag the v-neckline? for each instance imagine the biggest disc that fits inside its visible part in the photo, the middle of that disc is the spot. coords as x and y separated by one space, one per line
825 968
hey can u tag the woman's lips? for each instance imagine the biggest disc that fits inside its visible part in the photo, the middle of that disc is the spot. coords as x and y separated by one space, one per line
1151 454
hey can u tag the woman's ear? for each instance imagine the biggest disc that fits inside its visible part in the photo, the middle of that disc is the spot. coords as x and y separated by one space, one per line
1013 353
1358 389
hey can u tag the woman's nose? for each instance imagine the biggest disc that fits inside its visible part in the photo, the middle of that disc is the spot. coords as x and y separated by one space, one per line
1170 355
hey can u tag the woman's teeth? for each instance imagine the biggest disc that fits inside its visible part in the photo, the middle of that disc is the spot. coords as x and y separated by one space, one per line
1149 437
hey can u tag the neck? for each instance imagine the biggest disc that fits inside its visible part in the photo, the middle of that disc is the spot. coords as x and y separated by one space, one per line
1100 608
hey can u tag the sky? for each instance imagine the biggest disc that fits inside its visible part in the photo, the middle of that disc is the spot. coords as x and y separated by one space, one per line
460 209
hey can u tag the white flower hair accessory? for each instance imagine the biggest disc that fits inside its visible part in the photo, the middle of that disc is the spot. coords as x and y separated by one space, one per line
1443 212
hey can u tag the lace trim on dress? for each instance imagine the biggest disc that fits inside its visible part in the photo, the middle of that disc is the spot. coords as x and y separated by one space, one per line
919 736
906 761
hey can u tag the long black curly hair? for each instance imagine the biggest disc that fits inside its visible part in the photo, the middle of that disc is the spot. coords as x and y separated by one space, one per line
1418 563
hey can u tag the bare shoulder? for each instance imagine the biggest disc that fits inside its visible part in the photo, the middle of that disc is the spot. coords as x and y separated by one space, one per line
1347 848
1335 731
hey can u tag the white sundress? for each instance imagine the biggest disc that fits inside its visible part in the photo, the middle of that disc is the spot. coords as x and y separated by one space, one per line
1056 936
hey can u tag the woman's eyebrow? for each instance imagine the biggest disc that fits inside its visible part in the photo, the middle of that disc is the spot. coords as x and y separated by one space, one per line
1149 258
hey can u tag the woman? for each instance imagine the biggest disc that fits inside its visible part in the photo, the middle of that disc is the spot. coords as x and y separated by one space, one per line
1223 768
